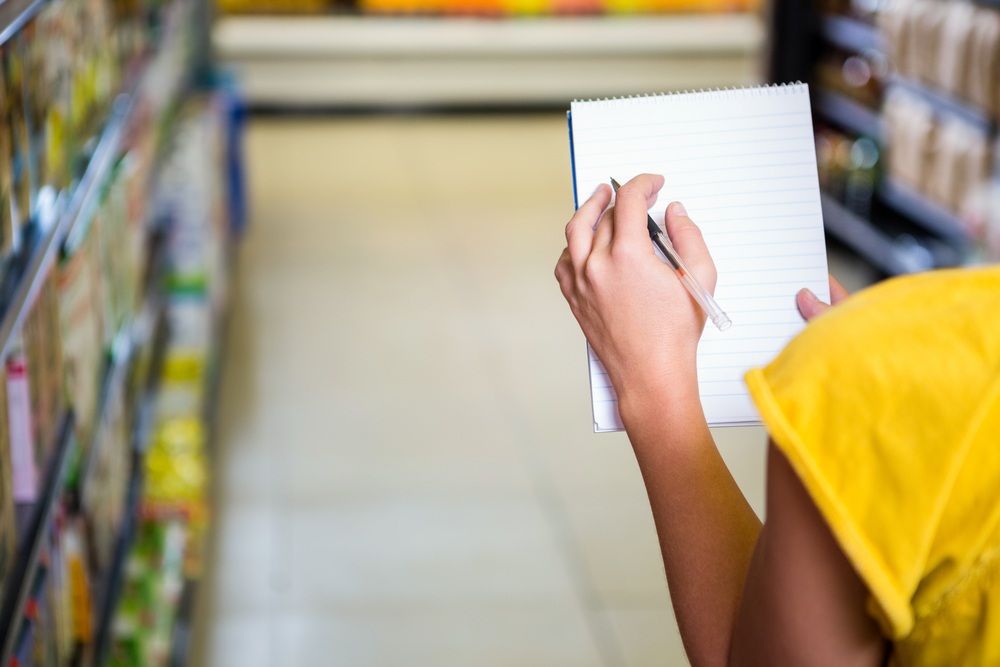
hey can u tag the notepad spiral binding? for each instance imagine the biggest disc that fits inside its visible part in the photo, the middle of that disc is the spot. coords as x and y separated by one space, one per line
716 93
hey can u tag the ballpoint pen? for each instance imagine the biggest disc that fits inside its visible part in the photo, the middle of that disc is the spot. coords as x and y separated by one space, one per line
688 279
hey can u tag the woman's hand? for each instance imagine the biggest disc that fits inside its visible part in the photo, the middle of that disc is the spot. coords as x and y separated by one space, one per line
811 307
636 314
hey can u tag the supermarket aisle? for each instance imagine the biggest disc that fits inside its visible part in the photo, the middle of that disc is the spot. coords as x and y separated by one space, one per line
406 469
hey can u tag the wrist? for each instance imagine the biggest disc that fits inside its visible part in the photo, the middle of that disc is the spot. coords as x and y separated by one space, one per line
668 400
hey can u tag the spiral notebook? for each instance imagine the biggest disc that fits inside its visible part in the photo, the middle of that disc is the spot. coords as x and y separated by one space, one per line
743 162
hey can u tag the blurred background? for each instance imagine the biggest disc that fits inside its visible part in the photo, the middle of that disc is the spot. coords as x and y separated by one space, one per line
288 379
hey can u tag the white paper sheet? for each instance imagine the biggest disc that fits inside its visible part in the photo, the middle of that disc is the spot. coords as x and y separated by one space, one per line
743 163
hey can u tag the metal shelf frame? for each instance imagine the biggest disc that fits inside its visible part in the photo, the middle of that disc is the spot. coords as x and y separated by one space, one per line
850 34
846 112
884 252
40 513
926 213
944 103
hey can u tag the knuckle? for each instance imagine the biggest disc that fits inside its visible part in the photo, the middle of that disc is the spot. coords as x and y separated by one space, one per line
625 252
688 228
592 272
627 190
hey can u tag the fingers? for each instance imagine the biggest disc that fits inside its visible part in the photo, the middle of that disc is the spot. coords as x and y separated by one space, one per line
690 244
564 272
809 305
837 292
605 229
580 229
631 206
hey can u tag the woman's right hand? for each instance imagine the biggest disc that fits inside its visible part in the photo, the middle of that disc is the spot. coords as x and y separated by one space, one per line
811 307
640 321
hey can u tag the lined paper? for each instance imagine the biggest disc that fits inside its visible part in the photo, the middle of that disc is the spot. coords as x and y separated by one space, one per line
743 163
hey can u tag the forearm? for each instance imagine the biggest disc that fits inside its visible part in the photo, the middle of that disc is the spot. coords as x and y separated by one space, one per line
706 528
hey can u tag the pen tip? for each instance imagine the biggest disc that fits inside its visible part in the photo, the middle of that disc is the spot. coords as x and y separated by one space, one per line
615 184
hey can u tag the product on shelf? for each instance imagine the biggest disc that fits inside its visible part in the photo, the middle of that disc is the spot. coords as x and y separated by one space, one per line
8 527
848 169
858 76
43 354
144 621
35 398
8 230
937 154
106 488
57 624
961 163
117 253
952 46
274 6
24 469
82 325
492 8
17 128
193 192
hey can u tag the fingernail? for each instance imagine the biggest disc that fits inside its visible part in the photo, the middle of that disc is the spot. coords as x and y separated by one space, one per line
678 209
810 296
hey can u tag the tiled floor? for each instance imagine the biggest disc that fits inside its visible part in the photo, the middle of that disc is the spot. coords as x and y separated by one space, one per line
406 473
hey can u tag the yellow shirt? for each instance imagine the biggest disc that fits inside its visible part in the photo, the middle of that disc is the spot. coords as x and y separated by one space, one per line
888 408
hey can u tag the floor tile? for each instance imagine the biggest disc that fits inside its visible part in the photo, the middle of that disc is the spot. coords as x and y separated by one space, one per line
407 552
536 637
241 640
648 636
245 559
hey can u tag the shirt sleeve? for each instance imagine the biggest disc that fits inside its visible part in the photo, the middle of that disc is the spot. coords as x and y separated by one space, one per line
873 405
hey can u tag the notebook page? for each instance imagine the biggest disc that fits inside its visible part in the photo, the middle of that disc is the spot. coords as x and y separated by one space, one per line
743 162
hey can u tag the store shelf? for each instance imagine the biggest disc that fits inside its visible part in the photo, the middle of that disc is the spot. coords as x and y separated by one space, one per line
944 103
133 336
180 650
368 61
923 211
848 114
15 13
41 252
891 256
107 599
36 521
851 34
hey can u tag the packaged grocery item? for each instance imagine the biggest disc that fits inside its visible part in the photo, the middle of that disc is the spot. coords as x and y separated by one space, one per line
953 60
36 105
14 109
43 352
81 316
106 491
908 134
8 527
984 61
176 470
24 469
120 279
144 620
961 163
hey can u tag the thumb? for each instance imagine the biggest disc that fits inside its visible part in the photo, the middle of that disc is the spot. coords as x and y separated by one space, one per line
690 245
809 305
